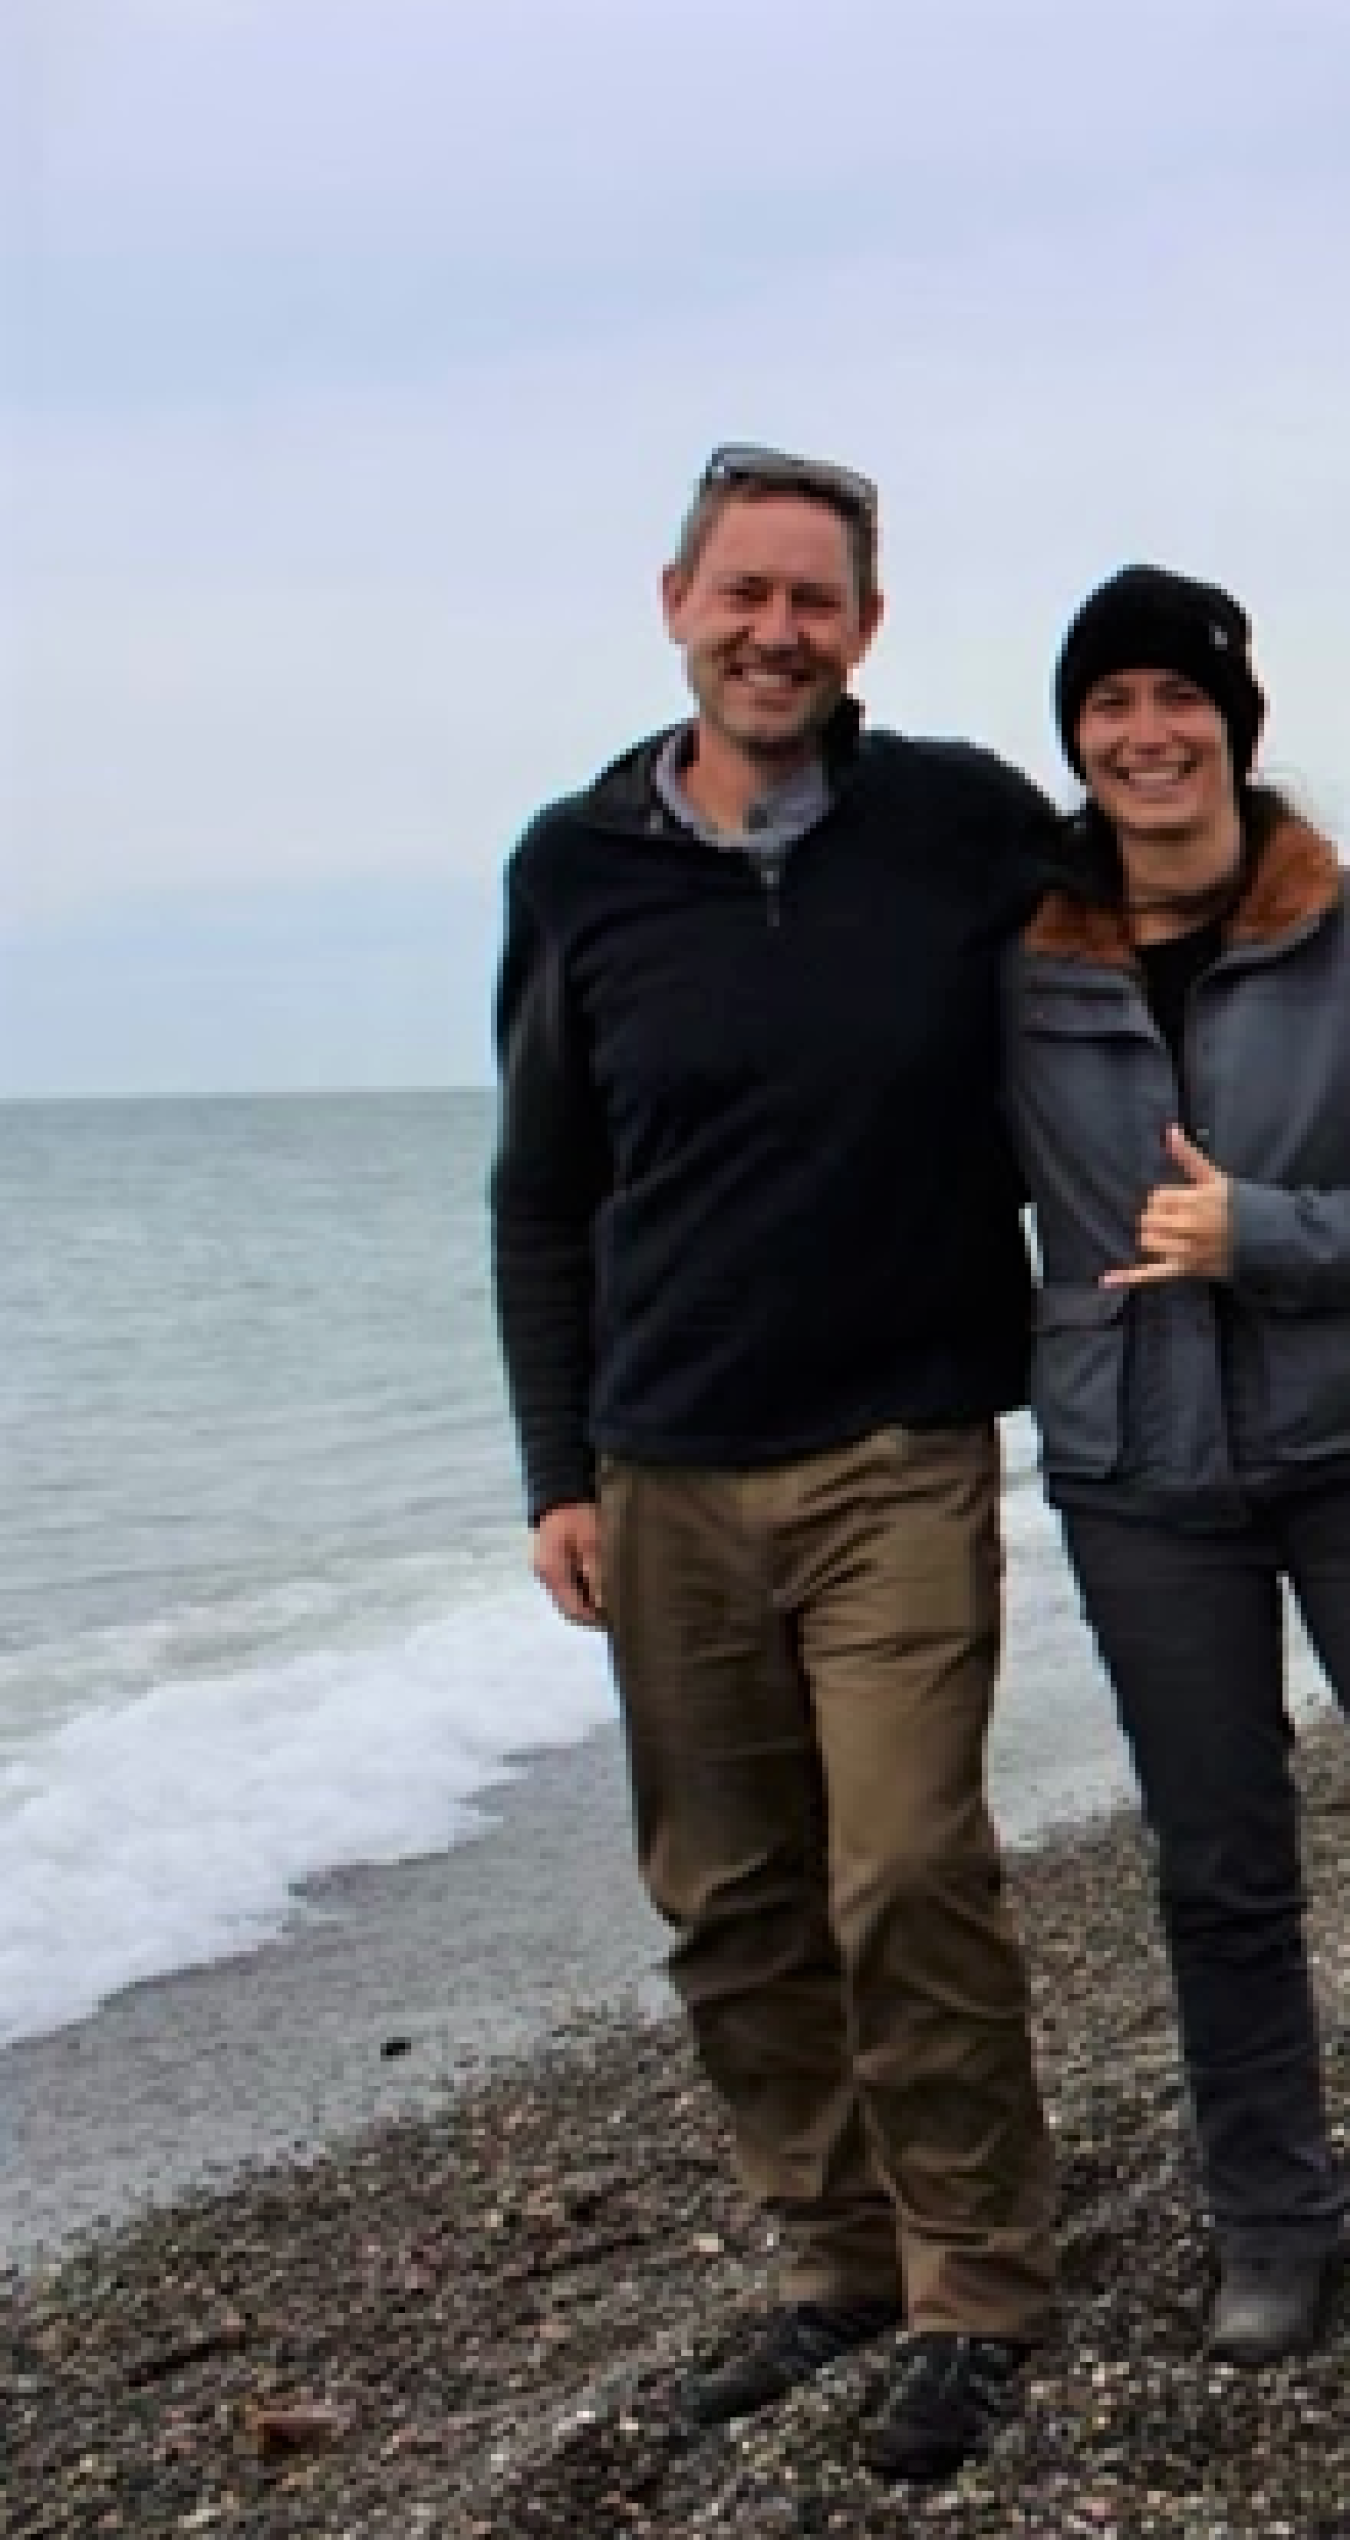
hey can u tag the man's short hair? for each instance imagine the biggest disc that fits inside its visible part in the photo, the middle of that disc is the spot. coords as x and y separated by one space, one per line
746 475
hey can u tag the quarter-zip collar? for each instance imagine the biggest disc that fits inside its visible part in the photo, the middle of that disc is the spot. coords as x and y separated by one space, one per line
625 796
774 823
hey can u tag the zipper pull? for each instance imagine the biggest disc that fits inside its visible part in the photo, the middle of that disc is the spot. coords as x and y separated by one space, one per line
771 874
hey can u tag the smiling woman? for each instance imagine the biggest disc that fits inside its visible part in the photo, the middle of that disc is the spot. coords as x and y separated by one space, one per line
1179 1072
1156 760
1161 714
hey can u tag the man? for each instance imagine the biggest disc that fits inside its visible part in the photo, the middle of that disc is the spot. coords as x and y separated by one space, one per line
762 1292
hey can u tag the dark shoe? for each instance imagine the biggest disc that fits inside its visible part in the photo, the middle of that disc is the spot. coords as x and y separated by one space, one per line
1270 2302
792 2344
954 2394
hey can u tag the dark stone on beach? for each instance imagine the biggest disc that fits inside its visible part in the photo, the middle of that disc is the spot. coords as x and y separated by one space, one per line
304 2425
487 2310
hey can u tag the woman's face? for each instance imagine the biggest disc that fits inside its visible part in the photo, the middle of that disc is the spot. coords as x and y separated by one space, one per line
1155 754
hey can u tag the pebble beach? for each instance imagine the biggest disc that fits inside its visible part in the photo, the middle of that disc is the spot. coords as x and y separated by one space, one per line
464 2319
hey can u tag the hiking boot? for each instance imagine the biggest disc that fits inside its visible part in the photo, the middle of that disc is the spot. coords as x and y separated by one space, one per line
791 2345
954 2394
1270 2301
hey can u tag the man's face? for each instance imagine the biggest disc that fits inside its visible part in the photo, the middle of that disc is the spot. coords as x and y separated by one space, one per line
769 622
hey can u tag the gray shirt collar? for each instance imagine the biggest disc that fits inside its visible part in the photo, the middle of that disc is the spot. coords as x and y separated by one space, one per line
775 821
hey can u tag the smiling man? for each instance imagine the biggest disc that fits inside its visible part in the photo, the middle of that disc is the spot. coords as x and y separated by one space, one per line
762 1295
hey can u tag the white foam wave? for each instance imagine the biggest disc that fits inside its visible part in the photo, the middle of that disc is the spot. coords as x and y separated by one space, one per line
160 1829
174 1827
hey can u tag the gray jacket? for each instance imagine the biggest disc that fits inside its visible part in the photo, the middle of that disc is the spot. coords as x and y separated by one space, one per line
1184 1398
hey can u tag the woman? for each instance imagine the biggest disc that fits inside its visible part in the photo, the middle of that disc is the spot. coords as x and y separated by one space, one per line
1179 1066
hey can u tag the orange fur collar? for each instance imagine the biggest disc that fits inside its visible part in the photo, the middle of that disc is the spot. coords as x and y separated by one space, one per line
1297 877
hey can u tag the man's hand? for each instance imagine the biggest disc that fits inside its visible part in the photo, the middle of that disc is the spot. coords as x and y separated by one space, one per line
567 1561
1186 1229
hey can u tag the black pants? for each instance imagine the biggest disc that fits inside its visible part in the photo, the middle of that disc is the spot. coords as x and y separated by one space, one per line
1190 1629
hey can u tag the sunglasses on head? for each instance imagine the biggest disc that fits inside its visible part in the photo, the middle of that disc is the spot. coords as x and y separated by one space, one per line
744 463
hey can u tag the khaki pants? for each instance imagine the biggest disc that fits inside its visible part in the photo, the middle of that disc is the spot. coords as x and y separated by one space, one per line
806 1659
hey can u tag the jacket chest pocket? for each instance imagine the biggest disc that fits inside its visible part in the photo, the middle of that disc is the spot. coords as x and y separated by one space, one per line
1091 1091
1078 1380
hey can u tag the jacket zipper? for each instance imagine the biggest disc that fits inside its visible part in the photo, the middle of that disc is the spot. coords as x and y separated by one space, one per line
1201 1132
769 870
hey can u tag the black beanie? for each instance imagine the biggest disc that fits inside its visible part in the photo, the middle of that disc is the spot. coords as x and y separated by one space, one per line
1145 619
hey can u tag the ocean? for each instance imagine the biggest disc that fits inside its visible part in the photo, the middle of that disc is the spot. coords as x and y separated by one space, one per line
265 1609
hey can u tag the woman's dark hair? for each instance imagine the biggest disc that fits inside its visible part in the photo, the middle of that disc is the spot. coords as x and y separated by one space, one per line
1091 868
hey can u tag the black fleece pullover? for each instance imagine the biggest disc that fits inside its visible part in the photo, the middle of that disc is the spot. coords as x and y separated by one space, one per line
751 1197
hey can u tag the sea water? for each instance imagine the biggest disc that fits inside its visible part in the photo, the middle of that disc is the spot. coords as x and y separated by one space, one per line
265 1607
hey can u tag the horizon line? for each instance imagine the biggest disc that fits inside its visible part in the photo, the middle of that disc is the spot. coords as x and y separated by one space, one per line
237 1093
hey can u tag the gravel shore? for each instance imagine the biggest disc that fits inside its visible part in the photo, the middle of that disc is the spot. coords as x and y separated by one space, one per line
463 2322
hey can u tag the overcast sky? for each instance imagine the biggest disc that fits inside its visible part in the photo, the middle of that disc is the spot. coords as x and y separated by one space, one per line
356 357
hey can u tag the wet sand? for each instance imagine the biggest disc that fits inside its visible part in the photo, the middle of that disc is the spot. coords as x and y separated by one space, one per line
470 1954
